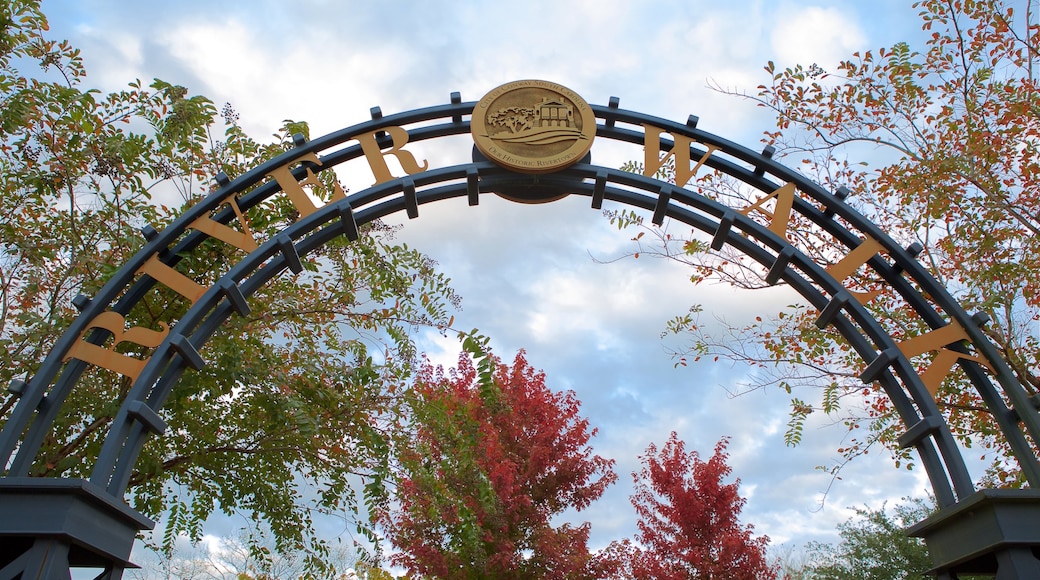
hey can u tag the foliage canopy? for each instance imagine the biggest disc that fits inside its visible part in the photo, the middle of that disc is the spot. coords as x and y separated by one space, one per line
689 523
484 468
874 546
299 394
953 131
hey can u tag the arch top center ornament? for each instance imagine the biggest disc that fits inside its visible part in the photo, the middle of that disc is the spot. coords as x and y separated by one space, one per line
533 126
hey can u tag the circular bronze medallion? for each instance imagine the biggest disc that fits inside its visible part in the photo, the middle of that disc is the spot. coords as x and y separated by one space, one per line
533 126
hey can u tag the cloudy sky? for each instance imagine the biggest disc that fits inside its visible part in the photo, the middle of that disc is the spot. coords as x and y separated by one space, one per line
527 274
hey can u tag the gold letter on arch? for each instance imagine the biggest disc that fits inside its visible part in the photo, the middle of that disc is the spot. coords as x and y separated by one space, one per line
292 188
653 161
781 214
108 357
937 340
377 159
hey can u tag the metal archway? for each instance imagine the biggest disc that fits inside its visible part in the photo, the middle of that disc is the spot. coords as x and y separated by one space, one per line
51 525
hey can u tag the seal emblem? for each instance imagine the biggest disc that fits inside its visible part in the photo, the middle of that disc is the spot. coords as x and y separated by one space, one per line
533 126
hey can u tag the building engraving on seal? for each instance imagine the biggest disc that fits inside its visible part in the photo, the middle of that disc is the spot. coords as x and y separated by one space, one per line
533 126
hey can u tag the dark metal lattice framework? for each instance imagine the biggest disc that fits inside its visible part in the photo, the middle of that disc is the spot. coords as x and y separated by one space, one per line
49 526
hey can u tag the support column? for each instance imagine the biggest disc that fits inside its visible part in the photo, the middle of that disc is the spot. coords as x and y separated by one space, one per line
1016 563
993 531
50 526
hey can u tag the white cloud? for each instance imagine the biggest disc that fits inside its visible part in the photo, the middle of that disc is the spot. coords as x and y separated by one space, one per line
813 34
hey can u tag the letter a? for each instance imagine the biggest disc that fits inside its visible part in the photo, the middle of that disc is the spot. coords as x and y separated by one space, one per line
781 214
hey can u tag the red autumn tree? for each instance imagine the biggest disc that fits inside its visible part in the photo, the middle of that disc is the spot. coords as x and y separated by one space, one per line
688 520
485 467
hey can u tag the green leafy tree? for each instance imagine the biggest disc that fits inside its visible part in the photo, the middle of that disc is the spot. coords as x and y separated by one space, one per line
873 546
952 129
293 407
492 457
